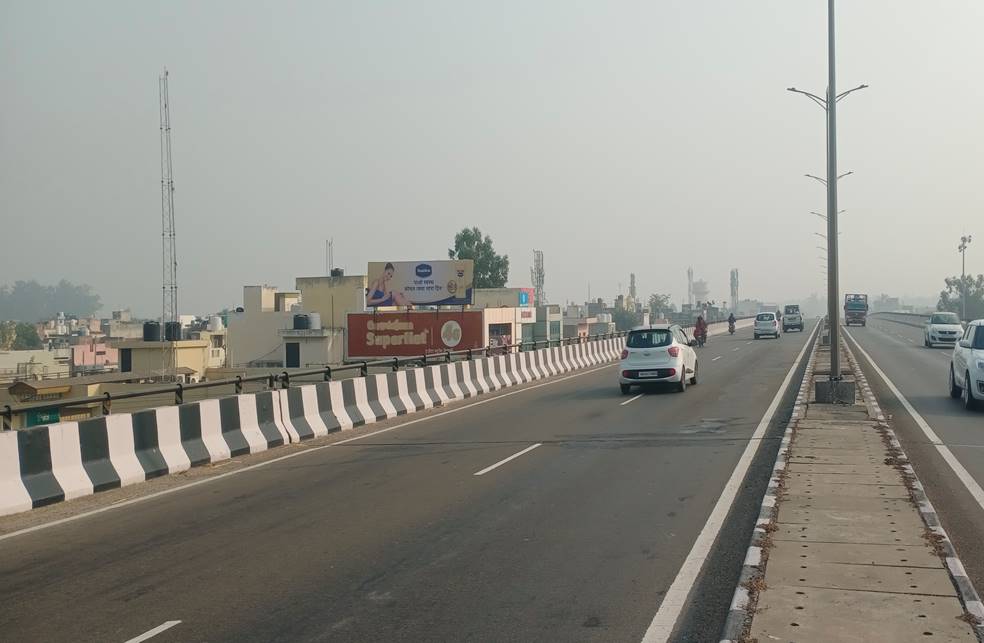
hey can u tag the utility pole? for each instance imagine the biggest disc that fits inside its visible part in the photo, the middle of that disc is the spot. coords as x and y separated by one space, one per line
169 256
962 249
829 105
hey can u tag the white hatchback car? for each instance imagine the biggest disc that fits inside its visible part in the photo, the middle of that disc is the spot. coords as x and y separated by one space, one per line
967 366
658 353
767 324
942 328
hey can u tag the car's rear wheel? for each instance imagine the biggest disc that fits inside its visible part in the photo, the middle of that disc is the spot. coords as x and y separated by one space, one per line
756 335
682 386
969 402
626 388
955 391
693 380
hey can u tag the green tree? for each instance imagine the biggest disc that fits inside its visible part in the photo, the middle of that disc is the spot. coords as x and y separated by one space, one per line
950 298
626 319
660 304
26 337
30 301
491 269
8 333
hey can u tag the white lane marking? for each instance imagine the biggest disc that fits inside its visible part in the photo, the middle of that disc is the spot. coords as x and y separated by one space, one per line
505 460
675 598
958 469
163 627
165 492
631 399
717 358
737 348
747 343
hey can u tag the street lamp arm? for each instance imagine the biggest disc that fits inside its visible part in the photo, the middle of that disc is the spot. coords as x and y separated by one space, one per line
816 99
845 174
844 94
816 178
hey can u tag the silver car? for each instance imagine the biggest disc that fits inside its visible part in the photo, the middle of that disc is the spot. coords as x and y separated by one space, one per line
658 353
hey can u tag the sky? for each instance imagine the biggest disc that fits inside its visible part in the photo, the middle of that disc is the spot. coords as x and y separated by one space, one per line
615 136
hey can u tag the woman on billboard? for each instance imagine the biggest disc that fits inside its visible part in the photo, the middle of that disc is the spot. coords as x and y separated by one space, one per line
382 294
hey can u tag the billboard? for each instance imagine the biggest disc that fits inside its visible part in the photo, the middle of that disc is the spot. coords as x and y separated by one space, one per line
420 283
378 335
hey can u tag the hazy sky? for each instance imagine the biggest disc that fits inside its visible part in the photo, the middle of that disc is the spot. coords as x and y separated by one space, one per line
614 136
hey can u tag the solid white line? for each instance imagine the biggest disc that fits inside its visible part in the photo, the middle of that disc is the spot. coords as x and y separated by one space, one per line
676 597
165 492
154 632
512 457
962 474
717 358
737 348
631 399
747 343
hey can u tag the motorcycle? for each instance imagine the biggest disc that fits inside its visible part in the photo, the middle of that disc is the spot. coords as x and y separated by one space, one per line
731 328
701 339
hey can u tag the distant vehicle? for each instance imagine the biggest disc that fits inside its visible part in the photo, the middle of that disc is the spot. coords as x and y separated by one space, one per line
658 353
942 328
856 309
767 324
967 366
792 318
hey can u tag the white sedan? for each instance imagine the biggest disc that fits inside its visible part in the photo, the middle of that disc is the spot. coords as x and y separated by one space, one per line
767 323
658 353
967 366
942 328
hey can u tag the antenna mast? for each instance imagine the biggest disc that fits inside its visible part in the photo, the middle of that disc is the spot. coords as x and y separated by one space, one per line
538 277
169 257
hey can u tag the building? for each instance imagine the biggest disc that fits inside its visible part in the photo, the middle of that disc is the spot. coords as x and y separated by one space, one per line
549 323
333 298
91 356
503 298
35 364
192 357
122 326
27 392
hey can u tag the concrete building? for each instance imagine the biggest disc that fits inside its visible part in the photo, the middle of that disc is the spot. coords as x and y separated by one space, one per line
549 323
505 326
502 297
121 325
193 357
254 332
333 298
35 364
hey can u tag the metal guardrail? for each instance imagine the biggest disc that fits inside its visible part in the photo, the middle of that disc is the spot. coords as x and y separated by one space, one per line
282 379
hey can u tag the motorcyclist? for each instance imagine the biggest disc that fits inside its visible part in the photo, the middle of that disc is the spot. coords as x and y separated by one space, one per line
700 330
731 321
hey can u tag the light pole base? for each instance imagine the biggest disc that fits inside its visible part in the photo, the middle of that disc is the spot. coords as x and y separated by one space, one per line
828 391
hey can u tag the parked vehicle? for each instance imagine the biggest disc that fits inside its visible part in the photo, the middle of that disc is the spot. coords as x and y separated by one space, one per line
767 323
967 366
658 353
856 309
792 318
942 328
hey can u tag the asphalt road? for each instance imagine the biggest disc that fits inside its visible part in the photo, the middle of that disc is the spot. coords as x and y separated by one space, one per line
920 375
394 537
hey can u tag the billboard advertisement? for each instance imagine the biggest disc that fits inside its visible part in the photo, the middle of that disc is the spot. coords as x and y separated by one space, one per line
379 335
420 283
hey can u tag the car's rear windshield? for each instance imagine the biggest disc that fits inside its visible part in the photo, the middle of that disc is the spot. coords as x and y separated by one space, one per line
649 338
792 310
944 318
766 317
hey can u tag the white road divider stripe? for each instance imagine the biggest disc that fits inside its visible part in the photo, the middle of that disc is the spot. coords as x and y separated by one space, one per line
163 627
677 595
509 459
631 399
717 358
958 469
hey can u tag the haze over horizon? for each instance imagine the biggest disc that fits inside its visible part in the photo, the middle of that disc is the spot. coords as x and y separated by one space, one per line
616 137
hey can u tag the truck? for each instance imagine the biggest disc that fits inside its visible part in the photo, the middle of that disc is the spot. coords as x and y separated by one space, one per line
855 309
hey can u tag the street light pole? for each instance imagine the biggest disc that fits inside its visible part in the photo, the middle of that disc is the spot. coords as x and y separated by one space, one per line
962 249
829 104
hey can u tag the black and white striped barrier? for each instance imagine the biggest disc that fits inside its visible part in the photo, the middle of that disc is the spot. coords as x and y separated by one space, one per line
49 464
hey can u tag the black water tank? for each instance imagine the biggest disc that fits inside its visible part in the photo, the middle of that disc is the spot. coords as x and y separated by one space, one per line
302 322
337 272
172 331
151 331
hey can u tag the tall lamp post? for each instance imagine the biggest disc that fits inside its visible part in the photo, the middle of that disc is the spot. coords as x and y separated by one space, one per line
962 249
829 105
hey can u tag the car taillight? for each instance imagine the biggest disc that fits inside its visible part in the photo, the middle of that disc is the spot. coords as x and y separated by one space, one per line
674 351
626 373
625 353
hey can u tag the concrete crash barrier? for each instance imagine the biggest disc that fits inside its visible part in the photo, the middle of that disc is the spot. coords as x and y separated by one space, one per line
49 464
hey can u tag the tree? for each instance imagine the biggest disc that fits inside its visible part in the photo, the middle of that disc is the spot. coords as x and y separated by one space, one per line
950 299
660 304
8 333
30 301
491 269
26 337
626 319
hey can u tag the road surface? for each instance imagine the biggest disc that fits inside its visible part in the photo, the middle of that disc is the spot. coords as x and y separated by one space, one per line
396 537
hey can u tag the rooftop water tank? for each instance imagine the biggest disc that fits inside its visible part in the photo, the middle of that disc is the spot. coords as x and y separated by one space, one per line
302 322
151 331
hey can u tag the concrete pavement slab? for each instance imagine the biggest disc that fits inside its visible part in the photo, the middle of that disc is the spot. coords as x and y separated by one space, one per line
822 489
852 553
889 521
838 533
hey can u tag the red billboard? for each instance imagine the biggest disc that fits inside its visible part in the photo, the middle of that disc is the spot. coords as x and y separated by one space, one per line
411 334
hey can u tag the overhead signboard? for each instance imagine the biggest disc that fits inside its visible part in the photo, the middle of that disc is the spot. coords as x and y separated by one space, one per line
420 283
376 335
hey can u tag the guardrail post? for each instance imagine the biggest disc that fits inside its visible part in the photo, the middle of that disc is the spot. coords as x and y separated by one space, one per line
328 373
396 364
364 369
447 357
179 397
285 380
469 358
8 417
239 384
270 381
107 404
